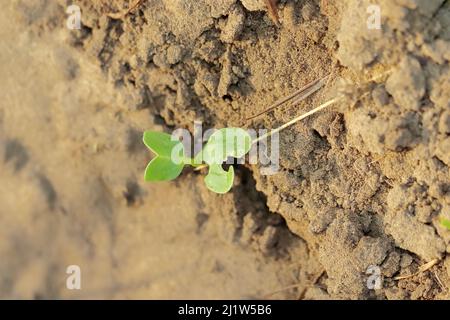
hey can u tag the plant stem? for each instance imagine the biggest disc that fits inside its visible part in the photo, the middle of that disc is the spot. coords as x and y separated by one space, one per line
192 162
300 95
299 118
200 167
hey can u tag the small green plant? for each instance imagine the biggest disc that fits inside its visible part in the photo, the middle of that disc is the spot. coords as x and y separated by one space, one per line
170 157
445 223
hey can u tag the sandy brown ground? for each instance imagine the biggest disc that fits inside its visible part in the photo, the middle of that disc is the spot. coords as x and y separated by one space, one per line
71 193
362 184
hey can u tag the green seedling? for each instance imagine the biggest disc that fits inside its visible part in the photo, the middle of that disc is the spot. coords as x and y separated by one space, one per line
170 157
445 223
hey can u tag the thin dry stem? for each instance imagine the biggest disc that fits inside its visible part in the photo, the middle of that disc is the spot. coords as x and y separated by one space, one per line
427 266
273 10
299 118
300 94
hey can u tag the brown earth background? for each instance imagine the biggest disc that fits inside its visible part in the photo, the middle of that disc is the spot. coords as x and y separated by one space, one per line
363 183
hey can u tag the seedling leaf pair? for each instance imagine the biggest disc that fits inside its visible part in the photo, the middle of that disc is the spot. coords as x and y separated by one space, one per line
162 167
170 157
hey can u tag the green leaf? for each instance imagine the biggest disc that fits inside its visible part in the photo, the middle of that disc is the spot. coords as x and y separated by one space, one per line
219 180
224 143
445 223
227 142
169 160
